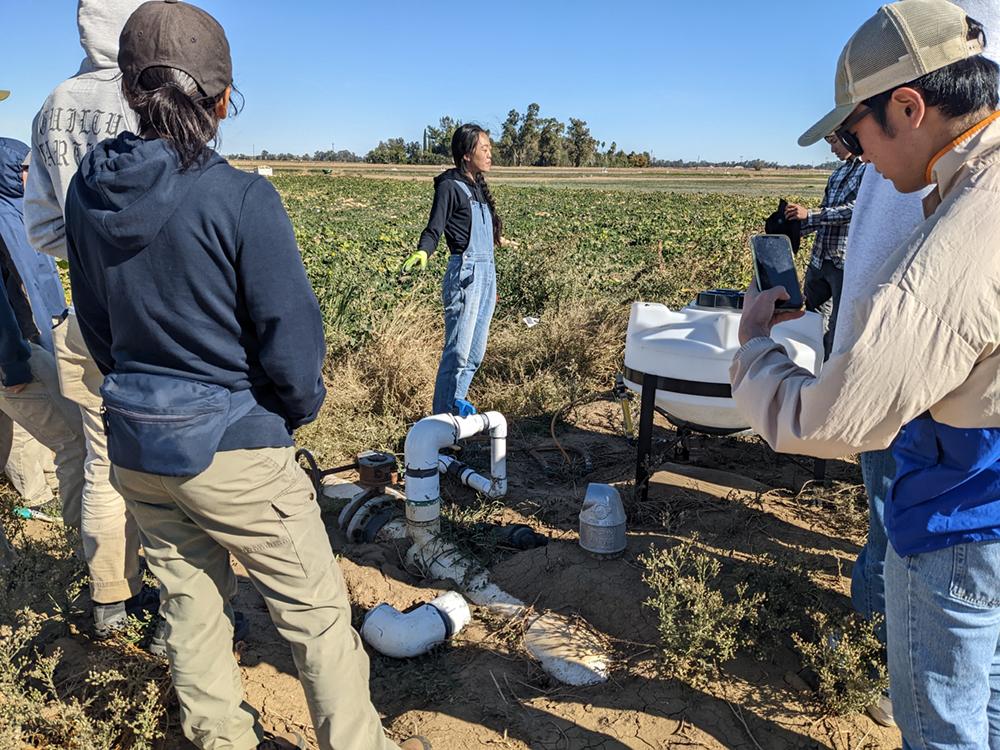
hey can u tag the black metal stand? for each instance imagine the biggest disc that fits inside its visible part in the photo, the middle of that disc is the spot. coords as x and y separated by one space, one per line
647 410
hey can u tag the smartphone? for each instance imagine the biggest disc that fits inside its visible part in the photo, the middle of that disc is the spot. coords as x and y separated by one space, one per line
774 265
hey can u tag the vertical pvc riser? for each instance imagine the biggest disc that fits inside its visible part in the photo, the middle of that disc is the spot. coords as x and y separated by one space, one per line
498 453
498 464
423 513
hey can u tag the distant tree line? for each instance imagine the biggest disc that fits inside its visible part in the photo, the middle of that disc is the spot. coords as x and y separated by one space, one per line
525 139
343 155
755 164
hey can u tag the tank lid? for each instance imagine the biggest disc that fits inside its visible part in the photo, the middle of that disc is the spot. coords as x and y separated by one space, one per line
725 298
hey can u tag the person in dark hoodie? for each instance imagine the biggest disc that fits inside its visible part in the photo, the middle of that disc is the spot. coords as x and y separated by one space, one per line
465 212
31 300
192 297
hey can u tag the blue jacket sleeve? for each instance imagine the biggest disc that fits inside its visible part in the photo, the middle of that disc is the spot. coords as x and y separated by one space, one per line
14 350
281 304
440 210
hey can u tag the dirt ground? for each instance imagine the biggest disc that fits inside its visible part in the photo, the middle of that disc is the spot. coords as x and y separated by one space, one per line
483 690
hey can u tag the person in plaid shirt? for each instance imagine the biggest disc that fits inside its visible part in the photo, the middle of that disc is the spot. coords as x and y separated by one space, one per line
825 276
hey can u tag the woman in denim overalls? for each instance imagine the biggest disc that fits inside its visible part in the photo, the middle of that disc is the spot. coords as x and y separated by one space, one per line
464 211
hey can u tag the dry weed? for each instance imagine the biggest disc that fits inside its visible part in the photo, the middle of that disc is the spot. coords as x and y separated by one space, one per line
845 654
374 394
107 697
700 627
575 349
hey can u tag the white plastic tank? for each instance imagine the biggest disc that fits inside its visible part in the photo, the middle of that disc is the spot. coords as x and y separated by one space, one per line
693 348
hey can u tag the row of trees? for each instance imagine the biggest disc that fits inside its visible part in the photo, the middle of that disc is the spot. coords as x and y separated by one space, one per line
525 139
343 155
531 140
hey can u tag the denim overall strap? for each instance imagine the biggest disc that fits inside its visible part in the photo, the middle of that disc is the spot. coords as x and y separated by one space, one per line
481 232
469 297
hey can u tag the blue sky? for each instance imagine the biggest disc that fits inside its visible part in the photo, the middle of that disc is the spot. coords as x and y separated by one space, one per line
723 80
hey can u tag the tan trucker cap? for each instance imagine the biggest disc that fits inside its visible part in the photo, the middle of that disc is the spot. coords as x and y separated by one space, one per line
901 42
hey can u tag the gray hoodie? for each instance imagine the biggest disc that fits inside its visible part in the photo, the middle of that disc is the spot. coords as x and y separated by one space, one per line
80 113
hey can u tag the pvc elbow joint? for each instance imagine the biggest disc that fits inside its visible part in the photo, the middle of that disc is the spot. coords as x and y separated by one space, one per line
404 635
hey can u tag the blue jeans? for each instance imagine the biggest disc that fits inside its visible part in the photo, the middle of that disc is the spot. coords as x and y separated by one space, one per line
943 616
867 580
469 296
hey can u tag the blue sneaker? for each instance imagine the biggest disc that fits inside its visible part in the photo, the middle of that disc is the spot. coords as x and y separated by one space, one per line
464 408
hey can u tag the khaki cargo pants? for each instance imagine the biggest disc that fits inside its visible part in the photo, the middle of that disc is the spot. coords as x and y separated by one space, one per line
259 506
29 465
55 423
109 534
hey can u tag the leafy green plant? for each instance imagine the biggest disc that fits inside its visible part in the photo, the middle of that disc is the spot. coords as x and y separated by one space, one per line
700 628
845 654
109 709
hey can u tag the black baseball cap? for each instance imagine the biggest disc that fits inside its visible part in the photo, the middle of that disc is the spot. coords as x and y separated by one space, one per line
172 34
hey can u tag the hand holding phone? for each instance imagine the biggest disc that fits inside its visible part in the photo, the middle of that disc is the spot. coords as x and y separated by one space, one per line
761 312
774 266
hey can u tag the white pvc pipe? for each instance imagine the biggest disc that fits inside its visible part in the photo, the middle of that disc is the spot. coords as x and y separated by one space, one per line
498 452
560 650
441 560
470 478
403 635
422 457
423 488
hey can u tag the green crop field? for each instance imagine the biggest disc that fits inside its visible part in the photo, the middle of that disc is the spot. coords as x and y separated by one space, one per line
574 258
560 245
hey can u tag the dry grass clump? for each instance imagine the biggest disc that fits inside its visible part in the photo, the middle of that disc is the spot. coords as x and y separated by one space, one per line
374 393
574 350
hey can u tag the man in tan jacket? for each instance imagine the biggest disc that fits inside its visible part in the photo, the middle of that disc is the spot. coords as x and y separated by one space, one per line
916 98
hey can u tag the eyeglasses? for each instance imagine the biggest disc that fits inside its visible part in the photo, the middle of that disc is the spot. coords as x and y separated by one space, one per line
849 138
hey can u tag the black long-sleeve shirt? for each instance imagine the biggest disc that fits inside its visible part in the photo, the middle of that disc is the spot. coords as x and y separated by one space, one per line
451 213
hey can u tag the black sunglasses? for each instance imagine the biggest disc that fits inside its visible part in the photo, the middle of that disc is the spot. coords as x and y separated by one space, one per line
847 137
